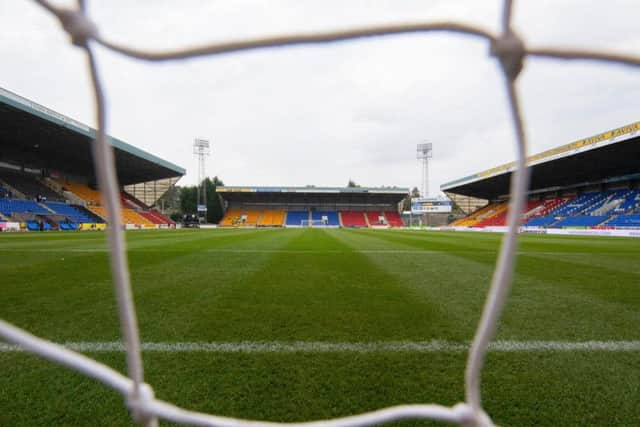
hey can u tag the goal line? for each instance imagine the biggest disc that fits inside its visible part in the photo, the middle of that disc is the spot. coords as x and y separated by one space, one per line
434 346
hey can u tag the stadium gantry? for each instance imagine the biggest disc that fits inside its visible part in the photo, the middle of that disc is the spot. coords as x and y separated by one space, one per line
353 207
591 183
47 176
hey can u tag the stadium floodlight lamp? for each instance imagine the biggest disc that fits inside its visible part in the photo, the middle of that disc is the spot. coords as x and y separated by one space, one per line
201 146
201 149
424 152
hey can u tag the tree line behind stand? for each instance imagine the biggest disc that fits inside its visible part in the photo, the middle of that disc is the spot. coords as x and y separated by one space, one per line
183 200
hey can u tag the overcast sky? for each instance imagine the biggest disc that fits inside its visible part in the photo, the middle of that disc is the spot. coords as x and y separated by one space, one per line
322 115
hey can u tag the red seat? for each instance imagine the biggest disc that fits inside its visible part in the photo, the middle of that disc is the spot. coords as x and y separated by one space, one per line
353 219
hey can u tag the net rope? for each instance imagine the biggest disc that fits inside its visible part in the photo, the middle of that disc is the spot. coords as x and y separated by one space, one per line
506 47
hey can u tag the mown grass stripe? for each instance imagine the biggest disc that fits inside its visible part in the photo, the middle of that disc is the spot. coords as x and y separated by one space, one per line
345 347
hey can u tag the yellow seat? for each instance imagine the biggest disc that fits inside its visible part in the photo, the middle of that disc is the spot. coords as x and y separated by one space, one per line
83 191
231 217
252 217
488 211
128 216
272 217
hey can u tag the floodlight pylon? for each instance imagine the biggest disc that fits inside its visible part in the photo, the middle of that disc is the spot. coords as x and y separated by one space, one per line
201 149
424 153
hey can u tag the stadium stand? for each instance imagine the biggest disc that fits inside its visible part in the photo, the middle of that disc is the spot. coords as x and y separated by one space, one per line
84 192
500 219
591 209
589 183
496 218
9 207
75 214
545 206
252 216
28 185
157 218
605 202
133 217
232 217
296 218
126 203
132 202
162 217
272 218
581 221
4 192
45 159
624 221
532 209
481 214
376 218
353 219
332 219
630 203
540 221
578 205
306 206
129 216
472 218
393 219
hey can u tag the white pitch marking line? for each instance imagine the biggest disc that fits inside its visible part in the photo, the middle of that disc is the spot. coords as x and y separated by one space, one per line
346 347
309 251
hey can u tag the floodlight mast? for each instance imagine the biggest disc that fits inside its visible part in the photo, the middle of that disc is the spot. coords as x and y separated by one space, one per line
201 149
424 153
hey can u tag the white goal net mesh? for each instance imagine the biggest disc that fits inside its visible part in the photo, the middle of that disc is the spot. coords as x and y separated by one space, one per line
506 47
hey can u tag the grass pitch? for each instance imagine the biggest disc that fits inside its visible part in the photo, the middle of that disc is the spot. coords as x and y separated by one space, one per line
361 292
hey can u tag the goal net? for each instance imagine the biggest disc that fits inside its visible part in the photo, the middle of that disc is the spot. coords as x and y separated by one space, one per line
508 50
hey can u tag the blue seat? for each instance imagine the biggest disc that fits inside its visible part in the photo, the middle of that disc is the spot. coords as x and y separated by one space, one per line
542 221
332 217
625 221
579 204
581 221
295 218
71 212
9 206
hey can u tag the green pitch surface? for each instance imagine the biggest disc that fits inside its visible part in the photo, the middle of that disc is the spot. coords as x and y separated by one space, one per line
293 325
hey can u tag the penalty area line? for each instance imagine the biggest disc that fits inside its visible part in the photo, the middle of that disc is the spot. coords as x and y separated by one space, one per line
345 347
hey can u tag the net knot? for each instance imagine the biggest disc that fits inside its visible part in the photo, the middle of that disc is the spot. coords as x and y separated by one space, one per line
79 27
470 418
510 50
139 403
